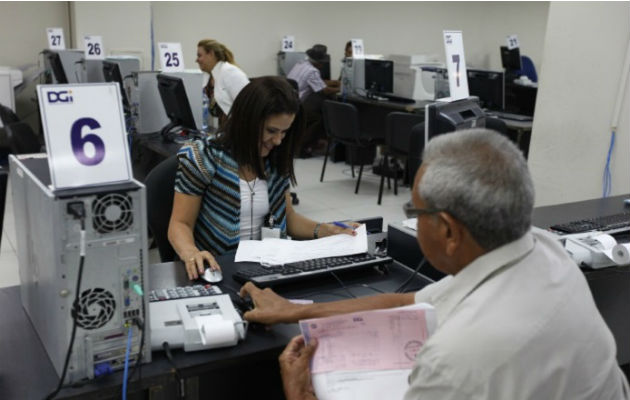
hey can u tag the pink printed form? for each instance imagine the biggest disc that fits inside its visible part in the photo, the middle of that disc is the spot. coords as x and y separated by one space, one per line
371 340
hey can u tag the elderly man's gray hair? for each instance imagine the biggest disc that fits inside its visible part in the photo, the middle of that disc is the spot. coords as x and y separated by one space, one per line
481 179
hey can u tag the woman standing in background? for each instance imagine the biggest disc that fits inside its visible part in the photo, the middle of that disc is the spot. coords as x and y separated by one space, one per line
226 79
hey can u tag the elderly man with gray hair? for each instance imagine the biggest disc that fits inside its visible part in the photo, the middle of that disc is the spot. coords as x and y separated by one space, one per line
515 317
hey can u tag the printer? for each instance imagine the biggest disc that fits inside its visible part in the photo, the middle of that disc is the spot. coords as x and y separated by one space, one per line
414 75
196 323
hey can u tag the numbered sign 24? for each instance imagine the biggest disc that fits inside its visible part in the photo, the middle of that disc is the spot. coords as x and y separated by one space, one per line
93 47
171 57
288 43
85 134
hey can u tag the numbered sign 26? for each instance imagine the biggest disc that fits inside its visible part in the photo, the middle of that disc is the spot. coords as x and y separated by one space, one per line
85 134
55 39
512 42
456 64
171 57
288 43
93 47
357 48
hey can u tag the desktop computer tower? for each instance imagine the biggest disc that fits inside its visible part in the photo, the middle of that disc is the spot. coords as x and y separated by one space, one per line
146 103
287 60
114 274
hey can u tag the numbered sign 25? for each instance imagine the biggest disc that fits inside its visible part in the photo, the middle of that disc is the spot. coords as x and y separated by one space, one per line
171 57
93 48
358 51
85 134
55 39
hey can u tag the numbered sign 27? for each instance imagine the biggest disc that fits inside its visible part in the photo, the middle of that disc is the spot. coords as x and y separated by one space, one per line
55 39
85 134
171 57
93 47
456 64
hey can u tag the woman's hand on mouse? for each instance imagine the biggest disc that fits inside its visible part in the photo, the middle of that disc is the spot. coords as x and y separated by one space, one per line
196 262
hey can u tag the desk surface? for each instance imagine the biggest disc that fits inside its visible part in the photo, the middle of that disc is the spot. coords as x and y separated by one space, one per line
417 107
20 343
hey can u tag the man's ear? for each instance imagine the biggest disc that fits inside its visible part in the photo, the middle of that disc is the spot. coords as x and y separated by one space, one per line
453 233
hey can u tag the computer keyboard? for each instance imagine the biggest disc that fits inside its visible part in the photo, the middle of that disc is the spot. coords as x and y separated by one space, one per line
605 223
182 292
396 99
513 117
303 270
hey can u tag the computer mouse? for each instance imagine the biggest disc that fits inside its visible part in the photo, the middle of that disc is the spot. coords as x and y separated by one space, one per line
212 275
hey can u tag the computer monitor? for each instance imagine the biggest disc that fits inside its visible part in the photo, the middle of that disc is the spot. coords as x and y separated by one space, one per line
510 59
111 72
54 60
379 76
454 116
324 68
489 86
176 104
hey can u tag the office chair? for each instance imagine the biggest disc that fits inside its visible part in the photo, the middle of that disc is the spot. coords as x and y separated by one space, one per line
341 122
528 69
160 184
7 116
397 139
21 139
416 147
498 125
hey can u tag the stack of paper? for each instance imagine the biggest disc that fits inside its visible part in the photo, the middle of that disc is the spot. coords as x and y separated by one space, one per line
282 251
367 355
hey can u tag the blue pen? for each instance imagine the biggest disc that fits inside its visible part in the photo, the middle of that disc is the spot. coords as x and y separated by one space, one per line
342 225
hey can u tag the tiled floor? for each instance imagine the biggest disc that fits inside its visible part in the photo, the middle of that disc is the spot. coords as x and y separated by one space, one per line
333 199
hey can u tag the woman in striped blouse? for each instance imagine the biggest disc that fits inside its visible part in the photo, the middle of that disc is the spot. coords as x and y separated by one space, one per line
229 187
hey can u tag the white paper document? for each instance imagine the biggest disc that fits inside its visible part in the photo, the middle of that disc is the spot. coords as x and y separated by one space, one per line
367 355
282 251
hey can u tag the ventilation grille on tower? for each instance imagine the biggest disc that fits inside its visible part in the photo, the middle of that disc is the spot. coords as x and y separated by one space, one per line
112 212
94 308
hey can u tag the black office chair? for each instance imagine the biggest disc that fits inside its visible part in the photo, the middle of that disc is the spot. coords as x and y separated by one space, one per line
160 184
397 139
416 147
341 122
21 139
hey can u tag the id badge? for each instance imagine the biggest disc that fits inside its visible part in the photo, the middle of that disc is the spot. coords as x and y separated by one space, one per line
267 233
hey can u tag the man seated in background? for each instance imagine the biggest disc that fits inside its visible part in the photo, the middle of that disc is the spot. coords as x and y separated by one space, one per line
515 316
313 90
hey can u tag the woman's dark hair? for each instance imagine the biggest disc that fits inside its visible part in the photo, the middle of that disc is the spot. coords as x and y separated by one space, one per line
242 134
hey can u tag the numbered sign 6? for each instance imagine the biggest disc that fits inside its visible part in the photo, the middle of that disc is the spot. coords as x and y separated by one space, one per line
456 64
93 47
512 42
357 48
288 43
55 39
85 134
171 57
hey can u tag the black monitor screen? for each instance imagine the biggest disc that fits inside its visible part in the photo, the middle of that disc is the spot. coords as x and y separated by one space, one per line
488 86
453 116
379 76
55 64
510 59
324 68
175 101
111 72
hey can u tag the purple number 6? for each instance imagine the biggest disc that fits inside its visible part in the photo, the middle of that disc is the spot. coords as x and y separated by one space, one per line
78 142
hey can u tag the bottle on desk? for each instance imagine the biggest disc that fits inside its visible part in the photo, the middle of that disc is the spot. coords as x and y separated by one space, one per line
205 105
